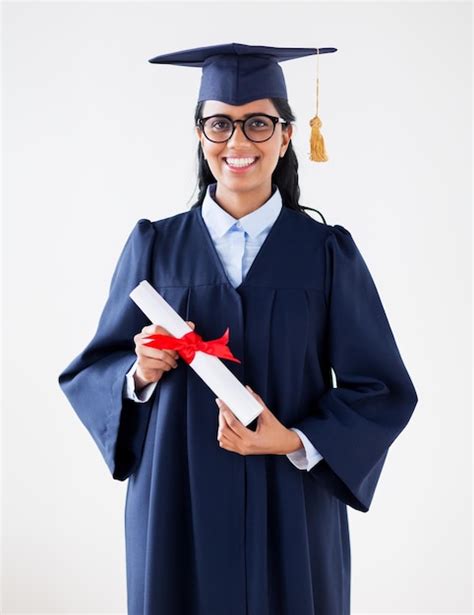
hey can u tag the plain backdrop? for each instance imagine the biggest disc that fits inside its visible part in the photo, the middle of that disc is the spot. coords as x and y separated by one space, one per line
95 137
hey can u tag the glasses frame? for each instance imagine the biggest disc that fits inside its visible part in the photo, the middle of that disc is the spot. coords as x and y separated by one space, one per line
273 118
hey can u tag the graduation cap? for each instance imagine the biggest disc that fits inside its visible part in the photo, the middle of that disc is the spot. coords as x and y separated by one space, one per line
235 73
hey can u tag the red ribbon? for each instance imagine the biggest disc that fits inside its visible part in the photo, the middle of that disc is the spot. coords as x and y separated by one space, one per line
191 342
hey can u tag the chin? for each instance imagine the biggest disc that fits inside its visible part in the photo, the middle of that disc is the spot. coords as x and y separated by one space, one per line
241 184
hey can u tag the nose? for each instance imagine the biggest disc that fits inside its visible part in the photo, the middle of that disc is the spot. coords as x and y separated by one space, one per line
238 136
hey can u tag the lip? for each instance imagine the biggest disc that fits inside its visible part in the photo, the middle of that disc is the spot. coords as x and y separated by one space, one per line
240 170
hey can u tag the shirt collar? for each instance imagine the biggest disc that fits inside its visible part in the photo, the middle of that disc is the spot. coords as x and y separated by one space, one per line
219 221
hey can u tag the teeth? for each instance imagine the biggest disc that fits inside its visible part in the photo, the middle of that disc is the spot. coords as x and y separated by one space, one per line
240 162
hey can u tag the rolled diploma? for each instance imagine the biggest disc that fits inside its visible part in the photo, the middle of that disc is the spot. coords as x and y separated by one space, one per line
210 368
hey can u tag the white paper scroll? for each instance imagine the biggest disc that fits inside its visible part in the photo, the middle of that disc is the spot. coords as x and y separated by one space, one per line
210 368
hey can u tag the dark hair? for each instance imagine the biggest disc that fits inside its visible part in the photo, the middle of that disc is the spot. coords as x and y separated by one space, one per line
285 175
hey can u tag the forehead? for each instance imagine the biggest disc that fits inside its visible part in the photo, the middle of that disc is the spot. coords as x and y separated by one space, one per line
264 105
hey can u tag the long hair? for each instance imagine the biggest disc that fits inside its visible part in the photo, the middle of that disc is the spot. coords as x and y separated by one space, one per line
285 175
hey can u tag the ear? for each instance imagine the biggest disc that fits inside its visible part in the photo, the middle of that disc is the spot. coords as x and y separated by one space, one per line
198 132
286 135
200 137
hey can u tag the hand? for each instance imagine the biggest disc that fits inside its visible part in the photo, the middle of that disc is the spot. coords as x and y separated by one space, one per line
153 362
270 437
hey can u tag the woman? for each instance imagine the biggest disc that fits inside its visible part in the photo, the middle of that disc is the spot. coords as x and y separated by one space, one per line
221 518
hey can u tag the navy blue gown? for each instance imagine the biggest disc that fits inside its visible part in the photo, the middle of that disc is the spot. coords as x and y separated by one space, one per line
209 531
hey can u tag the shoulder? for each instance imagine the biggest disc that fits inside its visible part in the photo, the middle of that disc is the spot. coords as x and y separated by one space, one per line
317 230
175 219
161 226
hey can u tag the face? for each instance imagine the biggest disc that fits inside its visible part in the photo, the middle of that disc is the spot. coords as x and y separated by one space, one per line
266 154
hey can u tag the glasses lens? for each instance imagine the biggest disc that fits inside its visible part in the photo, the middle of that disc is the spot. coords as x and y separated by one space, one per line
217 128
258 128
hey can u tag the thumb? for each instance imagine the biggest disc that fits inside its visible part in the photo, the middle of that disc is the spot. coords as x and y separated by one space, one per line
191 324
257 397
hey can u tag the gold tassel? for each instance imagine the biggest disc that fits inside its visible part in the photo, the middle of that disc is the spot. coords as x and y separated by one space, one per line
318 150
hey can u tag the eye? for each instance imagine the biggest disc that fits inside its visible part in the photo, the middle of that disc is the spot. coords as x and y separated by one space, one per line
259 123
219 124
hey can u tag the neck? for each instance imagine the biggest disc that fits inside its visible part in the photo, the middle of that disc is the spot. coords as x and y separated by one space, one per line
239 204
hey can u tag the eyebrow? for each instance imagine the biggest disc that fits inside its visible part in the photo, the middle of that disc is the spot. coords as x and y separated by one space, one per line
243 116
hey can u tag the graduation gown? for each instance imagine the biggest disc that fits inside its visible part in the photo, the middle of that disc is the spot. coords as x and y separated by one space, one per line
209 531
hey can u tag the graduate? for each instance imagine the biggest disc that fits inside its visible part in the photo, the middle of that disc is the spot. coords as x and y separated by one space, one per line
222 518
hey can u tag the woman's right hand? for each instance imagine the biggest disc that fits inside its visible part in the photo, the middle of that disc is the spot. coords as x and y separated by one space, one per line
153 362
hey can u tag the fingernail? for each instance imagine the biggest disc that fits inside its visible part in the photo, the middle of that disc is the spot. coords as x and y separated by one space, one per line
218 401
248 387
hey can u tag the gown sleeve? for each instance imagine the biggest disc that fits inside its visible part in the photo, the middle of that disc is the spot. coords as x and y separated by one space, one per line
93 381
354 423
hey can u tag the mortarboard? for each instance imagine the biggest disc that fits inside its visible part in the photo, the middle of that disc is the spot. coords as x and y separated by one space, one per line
235 73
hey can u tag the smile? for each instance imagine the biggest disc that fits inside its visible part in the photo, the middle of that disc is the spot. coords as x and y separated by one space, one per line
240 163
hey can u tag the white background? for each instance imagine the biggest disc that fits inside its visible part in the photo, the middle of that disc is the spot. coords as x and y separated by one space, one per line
95 137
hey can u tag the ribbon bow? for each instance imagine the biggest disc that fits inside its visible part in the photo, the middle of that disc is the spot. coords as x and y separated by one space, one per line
191 342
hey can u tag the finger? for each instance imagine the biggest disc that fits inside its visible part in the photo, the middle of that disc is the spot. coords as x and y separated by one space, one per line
154 358
223 430
256 395
148 366
227 444
232 422
158 353
228 436
140 340
221 421
224 426
155 329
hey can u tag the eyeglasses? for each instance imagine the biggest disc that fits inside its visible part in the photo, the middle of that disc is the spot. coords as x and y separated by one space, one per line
257 127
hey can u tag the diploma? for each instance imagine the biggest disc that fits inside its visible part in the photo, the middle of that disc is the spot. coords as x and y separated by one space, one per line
210 368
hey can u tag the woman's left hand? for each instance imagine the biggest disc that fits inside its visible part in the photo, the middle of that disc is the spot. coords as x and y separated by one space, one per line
270 437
